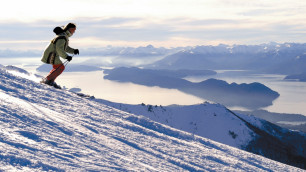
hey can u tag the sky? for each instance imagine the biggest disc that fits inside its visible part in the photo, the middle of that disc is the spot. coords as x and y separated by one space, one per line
168 23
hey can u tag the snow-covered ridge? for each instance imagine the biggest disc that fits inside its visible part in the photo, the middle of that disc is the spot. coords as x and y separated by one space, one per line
216 122
43 128
211 121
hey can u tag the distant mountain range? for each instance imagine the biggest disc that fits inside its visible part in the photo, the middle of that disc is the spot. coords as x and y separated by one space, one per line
141 51
273 58
299 77
288 58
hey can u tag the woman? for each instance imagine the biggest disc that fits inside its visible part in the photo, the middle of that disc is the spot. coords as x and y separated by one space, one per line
59 47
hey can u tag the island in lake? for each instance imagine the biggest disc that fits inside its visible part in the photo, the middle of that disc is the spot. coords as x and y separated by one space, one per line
252 96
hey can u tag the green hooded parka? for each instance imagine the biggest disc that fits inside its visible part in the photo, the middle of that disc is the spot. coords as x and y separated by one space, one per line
59 46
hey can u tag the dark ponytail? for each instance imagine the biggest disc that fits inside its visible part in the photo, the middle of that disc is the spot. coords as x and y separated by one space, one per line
58 30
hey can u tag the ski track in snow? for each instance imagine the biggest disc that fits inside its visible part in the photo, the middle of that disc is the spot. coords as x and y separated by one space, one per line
42 128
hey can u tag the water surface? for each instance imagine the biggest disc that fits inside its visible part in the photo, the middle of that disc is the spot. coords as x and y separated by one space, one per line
292 94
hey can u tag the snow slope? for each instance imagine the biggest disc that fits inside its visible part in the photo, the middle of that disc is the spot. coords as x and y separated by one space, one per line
216 122
43 128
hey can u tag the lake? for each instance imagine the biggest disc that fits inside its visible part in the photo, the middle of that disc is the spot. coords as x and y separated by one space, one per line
292 94
292 97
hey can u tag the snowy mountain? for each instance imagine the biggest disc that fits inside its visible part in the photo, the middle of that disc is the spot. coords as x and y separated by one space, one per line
289 121
141 51
216 122
45 129
287 58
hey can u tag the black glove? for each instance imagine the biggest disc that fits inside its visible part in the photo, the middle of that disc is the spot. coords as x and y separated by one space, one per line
69 58
76 51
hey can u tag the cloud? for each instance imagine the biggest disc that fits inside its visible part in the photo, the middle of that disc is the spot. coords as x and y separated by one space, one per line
141 31
118 22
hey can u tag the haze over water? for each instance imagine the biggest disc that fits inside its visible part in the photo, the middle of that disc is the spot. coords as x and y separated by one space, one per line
292 94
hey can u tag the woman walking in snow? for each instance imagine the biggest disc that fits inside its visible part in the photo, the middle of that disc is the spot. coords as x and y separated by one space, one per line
59 47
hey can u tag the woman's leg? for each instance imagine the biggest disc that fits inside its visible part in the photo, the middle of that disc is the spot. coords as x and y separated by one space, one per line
55 72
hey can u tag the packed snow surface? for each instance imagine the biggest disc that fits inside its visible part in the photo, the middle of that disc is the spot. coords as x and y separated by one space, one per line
42 128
